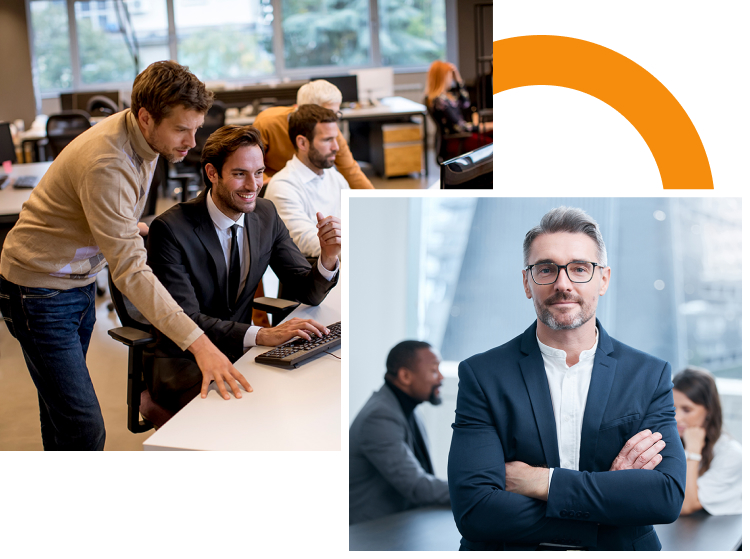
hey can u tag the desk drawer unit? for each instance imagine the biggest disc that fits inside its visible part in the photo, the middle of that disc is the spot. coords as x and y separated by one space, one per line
402 149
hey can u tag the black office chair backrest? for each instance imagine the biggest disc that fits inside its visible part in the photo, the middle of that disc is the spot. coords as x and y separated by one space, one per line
128 314
447 146
102 105
63 127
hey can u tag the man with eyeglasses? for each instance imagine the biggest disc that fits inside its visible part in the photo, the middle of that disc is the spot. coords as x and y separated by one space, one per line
564 437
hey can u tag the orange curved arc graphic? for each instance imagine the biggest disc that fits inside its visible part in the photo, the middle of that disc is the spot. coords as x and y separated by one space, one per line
620 83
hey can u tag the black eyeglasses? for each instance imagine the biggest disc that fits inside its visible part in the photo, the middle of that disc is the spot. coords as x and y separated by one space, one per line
547 272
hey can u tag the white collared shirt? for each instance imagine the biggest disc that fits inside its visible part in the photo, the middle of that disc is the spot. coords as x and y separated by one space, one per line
298 194
223 226
568 388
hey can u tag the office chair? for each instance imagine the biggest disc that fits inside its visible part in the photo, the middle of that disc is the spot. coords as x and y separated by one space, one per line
63 127
447 146
101 104
138 335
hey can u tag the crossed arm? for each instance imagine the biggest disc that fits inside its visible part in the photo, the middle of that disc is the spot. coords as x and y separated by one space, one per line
487 509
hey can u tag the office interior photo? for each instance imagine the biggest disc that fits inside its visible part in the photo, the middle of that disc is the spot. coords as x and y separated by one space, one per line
73 64
456 283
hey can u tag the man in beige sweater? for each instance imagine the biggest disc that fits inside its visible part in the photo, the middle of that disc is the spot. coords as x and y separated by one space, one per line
83 214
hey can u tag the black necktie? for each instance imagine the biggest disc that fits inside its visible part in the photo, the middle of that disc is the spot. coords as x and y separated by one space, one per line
234 267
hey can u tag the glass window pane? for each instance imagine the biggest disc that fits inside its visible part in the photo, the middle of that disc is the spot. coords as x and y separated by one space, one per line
225 39
103 48
326 32
412 32
51 50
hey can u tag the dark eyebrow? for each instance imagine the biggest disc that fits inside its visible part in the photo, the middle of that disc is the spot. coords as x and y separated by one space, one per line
240 169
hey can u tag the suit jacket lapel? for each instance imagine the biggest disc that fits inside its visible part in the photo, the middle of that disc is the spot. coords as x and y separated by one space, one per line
206 233
602 377
535 377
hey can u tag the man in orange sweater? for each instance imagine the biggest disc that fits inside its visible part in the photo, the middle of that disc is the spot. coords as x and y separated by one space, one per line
273 124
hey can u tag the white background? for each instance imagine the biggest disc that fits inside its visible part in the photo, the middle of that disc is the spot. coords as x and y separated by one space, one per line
548 138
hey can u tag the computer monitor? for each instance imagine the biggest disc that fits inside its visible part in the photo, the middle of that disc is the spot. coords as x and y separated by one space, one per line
347 86
7 149
79 100
374 83
471 170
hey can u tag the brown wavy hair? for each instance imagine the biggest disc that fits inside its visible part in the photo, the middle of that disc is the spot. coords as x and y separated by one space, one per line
164 85
699 386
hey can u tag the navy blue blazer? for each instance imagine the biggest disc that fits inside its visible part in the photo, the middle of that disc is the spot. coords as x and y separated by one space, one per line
504 413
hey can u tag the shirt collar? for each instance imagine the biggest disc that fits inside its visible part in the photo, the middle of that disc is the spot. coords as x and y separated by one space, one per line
139 142
406 402
307 174
220 220
560 353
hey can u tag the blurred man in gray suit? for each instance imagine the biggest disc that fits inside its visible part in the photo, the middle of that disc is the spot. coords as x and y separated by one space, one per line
389 462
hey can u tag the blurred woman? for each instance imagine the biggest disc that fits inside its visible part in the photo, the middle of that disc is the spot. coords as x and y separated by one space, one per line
446 99
714 459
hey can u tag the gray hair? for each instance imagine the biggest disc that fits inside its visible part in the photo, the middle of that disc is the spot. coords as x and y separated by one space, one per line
566 220
318 92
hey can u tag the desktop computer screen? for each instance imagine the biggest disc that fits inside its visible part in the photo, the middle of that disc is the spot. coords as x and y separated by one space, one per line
79 100
374 83
471 170
347 85
7 149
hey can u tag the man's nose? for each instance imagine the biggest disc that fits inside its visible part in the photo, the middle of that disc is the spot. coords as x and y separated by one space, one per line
190 140
335 145
563 282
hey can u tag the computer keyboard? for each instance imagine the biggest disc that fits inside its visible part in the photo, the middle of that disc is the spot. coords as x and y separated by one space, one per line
293 354
27 181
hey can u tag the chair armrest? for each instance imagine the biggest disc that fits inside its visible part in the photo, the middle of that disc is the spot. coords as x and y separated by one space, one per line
131 336
270 304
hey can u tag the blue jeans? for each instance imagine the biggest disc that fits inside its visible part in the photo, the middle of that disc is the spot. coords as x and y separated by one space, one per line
54 328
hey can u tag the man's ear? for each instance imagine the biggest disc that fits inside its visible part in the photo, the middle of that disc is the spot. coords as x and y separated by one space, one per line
302 143
145 118
526 287
212 173
404 376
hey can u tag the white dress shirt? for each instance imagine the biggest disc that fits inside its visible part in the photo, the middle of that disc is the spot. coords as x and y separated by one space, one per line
569 389
298 194
720 488
223 226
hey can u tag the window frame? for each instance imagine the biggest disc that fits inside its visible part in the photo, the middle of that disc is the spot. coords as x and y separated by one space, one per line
280 73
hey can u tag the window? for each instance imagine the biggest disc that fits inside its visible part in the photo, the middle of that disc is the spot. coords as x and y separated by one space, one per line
229 40
51 50
225 39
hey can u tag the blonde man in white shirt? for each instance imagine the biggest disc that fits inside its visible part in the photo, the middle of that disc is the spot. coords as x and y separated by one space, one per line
564 437
309 187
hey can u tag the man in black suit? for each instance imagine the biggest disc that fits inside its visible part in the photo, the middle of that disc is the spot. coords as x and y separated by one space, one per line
211 252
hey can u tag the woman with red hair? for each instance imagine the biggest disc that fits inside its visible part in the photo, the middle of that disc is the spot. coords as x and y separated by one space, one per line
446 98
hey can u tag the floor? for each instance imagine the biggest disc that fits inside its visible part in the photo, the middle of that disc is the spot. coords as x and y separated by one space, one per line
107 361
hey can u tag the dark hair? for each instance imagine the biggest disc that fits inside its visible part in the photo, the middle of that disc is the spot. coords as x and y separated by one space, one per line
699 386
566 220
164 85
403 355
224 142
302 122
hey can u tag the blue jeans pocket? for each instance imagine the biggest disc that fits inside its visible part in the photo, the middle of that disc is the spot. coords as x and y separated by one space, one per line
5 312
39 292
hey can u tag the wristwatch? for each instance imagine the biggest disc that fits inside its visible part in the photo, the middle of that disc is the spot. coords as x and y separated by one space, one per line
693 456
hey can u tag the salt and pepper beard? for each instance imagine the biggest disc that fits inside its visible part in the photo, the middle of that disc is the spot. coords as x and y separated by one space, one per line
585 314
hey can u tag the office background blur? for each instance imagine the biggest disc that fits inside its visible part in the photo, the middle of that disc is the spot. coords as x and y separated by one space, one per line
53 46
452 277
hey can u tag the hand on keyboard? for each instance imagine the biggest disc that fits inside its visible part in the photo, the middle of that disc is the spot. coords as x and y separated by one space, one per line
304 328
295 353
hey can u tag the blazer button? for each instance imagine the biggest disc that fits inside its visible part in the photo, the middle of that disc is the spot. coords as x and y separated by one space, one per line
579 514
586 514
563 513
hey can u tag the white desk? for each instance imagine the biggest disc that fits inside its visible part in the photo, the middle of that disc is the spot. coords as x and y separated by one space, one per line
12 199
298 409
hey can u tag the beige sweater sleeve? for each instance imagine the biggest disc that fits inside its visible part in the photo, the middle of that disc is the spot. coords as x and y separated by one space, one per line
109 197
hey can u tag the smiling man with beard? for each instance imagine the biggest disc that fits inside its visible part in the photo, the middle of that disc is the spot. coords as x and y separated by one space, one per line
564 437
389 461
